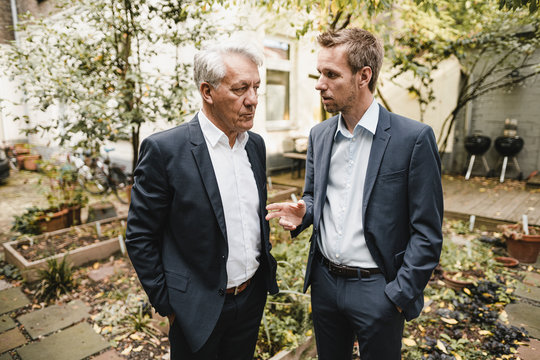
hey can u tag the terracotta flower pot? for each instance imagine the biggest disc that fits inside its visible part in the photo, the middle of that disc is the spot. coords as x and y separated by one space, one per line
29 162
506 261
454 283
56 221
525 250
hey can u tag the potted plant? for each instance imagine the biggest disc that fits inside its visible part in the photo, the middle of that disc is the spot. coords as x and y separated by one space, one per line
65 197
521 246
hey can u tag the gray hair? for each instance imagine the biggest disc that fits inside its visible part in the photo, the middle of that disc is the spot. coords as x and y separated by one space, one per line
208 64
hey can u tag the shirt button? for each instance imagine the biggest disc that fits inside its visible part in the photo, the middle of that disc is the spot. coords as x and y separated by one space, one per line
221 292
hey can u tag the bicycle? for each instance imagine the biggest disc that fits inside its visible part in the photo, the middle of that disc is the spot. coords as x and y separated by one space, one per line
99 176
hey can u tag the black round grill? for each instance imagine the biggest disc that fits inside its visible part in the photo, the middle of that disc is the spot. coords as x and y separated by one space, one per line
508 145
477 144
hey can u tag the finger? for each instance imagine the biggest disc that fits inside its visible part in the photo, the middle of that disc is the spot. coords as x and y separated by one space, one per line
274 206
301 204
272 215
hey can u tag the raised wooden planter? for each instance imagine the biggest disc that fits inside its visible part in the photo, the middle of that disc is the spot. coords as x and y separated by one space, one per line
280 193
79 256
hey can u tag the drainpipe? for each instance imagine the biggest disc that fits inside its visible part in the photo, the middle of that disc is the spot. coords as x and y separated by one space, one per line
15 19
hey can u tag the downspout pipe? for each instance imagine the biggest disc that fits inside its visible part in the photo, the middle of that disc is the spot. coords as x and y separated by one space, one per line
15 19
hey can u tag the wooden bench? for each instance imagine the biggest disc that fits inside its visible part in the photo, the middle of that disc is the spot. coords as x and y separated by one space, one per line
298 162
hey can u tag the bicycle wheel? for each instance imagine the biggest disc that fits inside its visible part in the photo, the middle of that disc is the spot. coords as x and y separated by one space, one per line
93 180
120 185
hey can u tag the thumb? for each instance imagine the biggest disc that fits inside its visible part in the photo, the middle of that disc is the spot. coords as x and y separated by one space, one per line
301 204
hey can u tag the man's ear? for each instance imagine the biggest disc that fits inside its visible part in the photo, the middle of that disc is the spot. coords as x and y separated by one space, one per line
206 93
364 76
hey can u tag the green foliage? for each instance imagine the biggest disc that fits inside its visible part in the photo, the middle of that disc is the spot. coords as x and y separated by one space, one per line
64 188
287 316
10 271
27 223
56 280
533 5
130 313
96 60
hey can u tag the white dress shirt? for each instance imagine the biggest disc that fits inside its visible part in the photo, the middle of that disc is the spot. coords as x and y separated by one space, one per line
342 231
240 200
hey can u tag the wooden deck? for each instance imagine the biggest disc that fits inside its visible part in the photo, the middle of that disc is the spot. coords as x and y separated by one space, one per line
491 202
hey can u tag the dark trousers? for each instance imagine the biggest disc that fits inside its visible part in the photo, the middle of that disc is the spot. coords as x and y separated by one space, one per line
345 307
236 332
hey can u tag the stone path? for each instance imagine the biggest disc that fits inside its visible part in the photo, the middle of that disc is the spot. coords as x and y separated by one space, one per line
57 332
526 313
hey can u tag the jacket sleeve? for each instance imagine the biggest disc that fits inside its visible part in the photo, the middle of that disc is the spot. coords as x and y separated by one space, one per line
425 218
308 190
146 220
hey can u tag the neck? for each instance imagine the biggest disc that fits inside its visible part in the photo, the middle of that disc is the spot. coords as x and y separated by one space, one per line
353 115
231 135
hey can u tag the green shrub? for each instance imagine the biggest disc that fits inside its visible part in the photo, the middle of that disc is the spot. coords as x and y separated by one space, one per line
56 280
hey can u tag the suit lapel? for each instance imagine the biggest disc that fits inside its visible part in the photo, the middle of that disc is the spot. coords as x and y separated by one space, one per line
325 155
206 170
380 141
258 172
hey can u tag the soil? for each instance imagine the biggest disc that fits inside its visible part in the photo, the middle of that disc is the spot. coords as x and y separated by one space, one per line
58 243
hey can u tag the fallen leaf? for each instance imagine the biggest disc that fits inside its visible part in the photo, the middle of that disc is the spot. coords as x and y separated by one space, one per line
449 321
136 336
95 266
138 348
456 355
485 332
441 347
127 350
409 342
97 329
467 291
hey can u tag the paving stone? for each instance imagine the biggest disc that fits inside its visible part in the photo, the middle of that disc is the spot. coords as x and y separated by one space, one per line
52 318
6 356
11 339
108 355
4 284
532 279
525 315
6 323
529 292
12 299
529 352
74 343
103 272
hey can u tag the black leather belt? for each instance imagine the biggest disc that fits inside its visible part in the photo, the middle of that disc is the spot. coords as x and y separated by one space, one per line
347 271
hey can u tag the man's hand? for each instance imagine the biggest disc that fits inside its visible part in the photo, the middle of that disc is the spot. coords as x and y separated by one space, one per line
290 214
171 318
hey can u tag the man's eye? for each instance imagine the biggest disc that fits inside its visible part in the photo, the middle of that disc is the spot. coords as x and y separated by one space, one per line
331 75
240 90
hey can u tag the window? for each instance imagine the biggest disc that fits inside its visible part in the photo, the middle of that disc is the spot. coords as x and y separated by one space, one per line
277 95
278 88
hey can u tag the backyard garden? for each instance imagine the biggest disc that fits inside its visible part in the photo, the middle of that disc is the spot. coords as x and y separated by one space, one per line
464 315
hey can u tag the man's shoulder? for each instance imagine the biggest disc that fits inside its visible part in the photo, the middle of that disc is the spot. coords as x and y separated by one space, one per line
325 124
172 135
405 124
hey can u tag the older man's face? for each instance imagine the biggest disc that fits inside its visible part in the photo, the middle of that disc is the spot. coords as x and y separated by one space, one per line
235 99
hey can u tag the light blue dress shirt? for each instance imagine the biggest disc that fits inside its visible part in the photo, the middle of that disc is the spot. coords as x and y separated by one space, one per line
342 232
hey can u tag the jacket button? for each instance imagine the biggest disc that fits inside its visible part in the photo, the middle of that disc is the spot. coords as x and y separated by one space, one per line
221 292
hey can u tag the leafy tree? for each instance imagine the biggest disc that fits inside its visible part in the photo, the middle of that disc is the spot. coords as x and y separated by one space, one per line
493 45
94 59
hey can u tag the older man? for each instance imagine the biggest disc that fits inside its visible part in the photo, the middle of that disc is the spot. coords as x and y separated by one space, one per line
196 232
373 194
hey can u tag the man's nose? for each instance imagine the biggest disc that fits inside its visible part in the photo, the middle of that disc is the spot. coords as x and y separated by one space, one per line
320 85
251 98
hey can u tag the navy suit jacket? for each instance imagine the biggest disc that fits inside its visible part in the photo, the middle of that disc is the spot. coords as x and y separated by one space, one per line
176 235
402 206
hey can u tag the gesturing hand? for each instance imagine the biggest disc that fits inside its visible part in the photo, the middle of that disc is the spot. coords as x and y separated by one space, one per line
290 214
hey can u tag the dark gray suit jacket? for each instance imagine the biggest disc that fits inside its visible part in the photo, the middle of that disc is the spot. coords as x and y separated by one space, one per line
176 236
402 207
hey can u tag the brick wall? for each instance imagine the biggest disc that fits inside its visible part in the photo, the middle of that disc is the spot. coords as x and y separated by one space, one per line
6 32
37 9
488 115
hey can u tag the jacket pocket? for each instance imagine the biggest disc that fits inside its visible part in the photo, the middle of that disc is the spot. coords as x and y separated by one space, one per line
176 281
398 259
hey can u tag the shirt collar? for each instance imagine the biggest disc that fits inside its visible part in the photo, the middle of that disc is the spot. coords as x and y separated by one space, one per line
368 121
214 135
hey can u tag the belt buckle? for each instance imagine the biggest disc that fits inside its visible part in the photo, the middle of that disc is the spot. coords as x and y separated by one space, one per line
335 268
364 273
